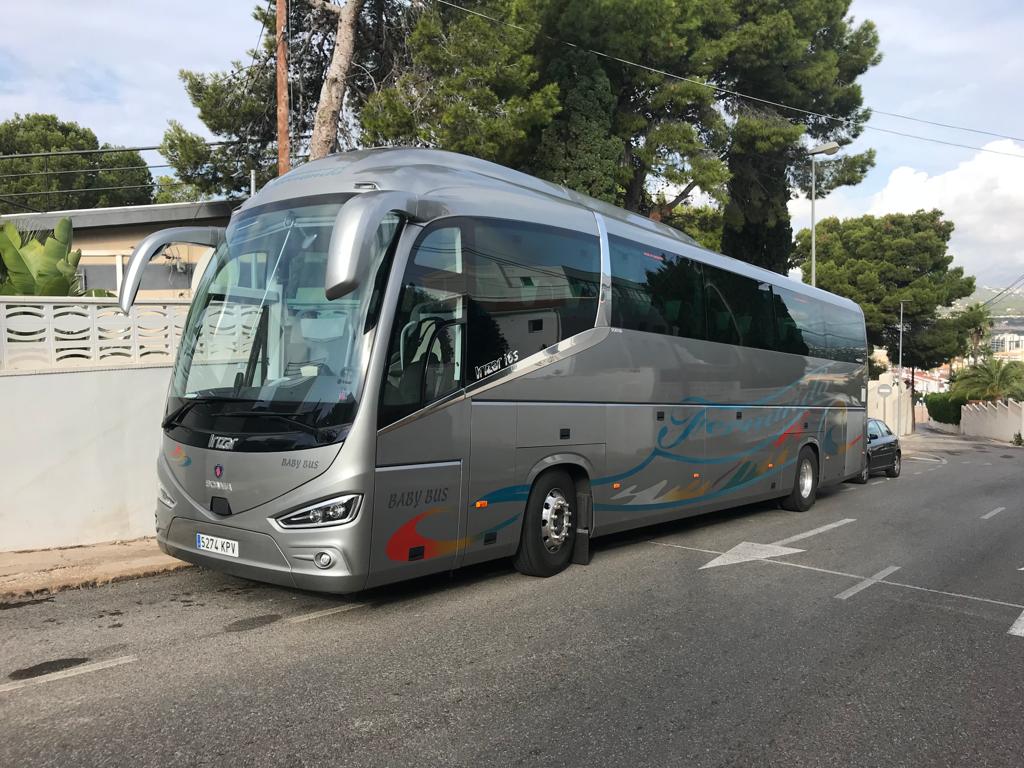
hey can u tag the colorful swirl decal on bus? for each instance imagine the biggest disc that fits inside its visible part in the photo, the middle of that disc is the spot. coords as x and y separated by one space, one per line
783 427
179 457
407 537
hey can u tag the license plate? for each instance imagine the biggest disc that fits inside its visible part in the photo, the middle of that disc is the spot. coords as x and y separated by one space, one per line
216 545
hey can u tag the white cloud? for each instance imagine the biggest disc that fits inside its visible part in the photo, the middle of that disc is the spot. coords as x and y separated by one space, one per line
982 196
113 67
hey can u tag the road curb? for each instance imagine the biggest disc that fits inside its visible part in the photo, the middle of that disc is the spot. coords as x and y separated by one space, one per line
16 587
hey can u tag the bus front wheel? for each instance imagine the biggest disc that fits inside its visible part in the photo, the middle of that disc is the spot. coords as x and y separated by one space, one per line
805 485
549 526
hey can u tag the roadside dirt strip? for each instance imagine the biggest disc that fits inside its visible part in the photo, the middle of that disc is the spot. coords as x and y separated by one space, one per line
28 574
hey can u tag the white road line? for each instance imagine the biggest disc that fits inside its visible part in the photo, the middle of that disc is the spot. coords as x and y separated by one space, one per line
693 549
814 532
932 469
1018 627
914 587
919 473
923 458
993 513
81 670
848 593
966 462
878 482
326 612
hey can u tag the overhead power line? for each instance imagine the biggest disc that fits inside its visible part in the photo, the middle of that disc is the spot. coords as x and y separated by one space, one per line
107 150
758 99
97 189
1015 284
84 170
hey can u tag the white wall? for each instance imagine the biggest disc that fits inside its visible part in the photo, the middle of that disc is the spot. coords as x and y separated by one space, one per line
78 455
895 407
997 421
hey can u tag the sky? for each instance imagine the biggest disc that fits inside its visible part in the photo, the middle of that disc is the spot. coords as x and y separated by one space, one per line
114 68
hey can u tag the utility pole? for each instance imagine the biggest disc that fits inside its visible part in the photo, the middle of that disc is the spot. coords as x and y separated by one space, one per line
283 146
899 392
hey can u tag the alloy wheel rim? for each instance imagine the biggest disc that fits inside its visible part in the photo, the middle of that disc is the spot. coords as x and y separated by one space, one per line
555 520
806 479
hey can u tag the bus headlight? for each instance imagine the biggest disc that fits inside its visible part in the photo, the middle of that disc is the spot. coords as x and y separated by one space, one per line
165 497
333 512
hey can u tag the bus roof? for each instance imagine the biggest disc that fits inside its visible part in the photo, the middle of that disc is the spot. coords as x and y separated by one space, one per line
422 171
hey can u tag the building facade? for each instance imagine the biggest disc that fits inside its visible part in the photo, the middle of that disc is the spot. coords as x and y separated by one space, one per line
107 236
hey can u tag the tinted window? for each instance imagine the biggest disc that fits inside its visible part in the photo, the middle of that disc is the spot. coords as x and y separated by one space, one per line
529 287
739 309
655 290
800 324
845 329
873 430
425 351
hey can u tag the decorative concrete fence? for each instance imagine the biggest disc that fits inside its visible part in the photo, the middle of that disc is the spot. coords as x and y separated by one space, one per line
997 421
47 333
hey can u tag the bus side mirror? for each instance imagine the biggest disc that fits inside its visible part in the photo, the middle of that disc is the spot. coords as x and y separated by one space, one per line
352 240
152 246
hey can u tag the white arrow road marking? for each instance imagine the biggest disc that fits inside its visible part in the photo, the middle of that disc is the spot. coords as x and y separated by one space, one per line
993 513
848 593
81 670
1018 627
813 532
748 551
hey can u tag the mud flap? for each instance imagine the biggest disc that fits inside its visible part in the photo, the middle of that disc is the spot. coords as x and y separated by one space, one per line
581 549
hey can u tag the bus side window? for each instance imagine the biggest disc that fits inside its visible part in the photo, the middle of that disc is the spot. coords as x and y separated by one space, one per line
656 291
425 353
529 287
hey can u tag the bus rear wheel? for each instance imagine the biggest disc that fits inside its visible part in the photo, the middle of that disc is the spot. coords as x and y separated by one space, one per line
805 485
549 526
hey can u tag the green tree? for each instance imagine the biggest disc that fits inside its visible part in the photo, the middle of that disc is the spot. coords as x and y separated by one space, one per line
879 261
669 132
472 87
991 379
35 182
238 106
578 149
807 54
170 190
976 321
701 222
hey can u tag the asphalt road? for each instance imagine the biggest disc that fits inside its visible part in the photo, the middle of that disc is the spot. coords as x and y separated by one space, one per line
642 658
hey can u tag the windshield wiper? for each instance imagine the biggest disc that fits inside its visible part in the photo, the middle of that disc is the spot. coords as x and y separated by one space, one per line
175 416
303 426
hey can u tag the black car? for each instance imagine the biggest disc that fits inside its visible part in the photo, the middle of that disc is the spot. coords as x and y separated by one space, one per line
884 452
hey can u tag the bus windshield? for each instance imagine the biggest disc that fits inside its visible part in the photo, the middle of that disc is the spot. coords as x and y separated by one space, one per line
264 352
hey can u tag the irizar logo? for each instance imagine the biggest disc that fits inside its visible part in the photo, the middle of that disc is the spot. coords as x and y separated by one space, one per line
222 443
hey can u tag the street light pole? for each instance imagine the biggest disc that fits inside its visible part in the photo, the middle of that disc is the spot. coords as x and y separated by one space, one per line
814 229
899 392
829 148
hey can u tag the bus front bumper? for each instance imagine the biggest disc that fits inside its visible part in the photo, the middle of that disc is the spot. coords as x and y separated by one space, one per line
261 556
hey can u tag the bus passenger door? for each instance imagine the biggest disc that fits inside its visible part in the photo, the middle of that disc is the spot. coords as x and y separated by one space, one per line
423 422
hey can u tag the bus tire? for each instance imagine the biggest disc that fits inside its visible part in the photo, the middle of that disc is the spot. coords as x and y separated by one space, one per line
805 484
549 526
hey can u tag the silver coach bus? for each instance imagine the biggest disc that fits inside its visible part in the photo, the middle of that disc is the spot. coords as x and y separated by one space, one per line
403 361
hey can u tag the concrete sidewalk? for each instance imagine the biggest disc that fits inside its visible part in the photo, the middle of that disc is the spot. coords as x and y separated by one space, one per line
52 570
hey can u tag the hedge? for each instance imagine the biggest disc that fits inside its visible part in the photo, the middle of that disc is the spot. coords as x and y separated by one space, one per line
944 406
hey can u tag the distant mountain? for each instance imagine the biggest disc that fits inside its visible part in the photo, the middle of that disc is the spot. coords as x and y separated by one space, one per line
1010 303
